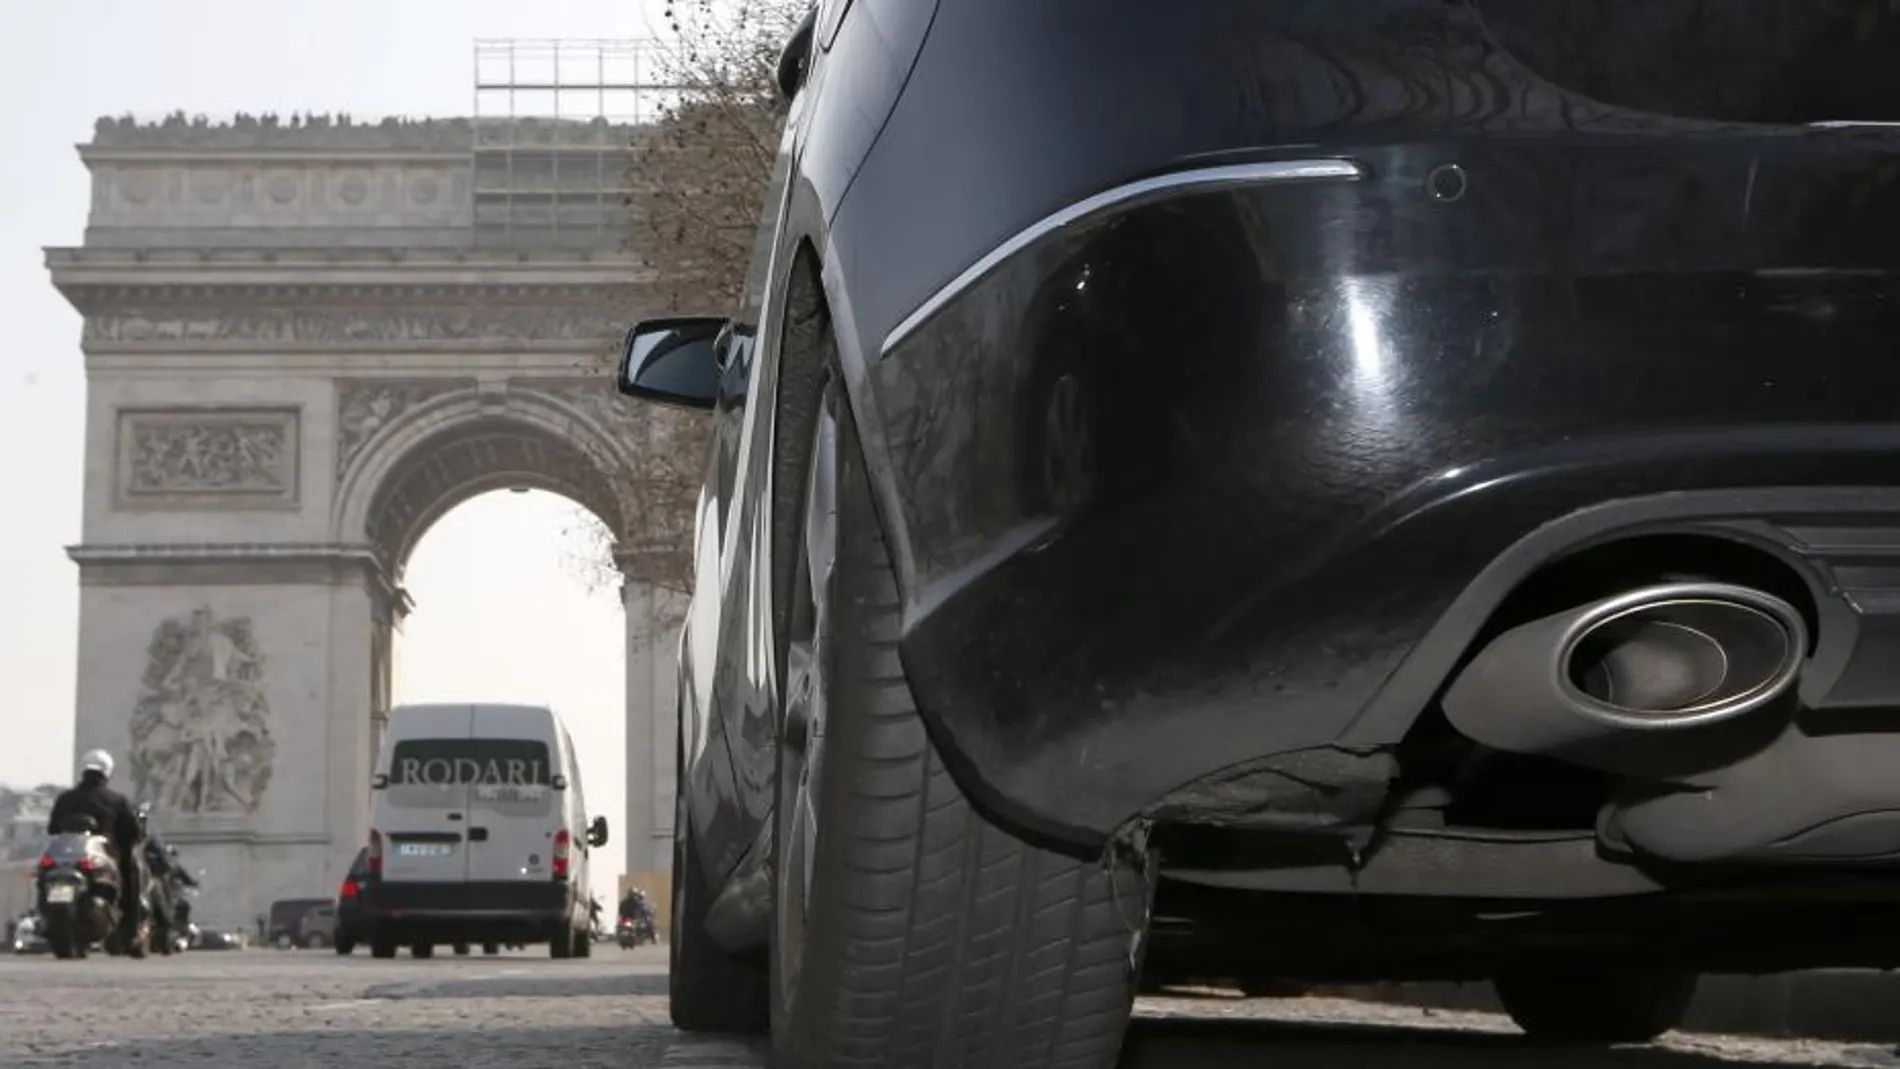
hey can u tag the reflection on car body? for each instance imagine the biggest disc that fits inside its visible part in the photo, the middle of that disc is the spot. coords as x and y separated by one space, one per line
1323 490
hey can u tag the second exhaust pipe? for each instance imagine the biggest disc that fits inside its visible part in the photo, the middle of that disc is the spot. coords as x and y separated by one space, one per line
1661 658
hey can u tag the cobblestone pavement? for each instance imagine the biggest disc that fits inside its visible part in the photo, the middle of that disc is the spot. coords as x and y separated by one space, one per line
288 1010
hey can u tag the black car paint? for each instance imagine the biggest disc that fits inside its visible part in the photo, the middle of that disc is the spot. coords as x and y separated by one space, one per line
356 913
1591 320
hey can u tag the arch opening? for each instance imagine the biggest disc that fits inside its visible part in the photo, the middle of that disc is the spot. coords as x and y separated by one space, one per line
503 599
501 615
482 455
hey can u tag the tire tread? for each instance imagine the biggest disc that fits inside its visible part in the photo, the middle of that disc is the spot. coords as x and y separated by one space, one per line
957 945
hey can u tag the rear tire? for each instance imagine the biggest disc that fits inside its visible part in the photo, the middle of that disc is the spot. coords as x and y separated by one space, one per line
383 949
491 949
422 951
141 940
929 936
344 947
561 943
708 989
63 940
461 950
1596 1007
583 943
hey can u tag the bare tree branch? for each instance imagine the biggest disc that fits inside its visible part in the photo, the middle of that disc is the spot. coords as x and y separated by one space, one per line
699 175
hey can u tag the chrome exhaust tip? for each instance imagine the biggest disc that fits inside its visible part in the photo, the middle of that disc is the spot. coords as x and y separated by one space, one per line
1667 657
1680 655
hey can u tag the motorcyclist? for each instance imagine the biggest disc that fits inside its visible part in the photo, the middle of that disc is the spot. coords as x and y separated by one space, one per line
115 819
168 875
634 905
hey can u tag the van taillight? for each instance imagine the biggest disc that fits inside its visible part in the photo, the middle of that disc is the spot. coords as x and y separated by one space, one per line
375 852
46 861
347 891
563 845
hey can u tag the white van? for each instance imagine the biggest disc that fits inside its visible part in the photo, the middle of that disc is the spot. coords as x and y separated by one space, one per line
479 833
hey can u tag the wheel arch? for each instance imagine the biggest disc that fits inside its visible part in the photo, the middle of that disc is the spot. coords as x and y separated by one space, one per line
815 281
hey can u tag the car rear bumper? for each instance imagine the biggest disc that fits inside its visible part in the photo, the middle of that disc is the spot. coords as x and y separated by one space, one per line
1235 476
513 911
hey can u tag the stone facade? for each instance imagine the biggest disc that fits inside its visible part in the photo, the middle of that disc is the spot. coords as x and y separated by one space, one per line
302 348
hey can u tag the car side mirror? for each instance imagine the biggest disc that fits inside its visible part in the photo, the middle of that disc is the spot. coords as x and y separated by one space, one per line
673 361
794 63
378 781
597 832
559 782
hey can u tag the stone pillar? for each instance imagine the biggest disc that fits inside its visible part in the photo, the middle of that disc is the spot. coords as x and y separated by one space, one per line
270 645
652 724
390 612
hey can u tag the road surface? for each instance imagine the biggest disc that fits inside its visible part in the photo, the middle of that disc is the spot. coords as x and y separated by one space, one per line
264 1009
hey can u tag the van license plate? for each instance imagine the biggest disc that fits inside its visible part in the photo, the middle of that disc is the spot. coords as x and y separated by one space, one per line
60 893
424 849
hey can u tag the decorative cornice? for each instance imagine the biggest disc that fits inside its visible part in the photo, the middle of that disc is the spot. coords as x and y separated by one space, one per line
250 132
300 292
335 257
90 277
563 322
298 131
173 552
232 564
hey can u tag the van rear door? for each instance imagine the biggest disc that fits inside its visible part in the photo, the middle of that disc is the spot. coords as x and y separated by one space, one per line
512 811
426 797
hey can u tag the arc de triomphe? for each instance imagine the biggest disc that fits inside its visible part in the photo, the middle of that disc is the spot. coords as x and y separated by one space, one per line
304 343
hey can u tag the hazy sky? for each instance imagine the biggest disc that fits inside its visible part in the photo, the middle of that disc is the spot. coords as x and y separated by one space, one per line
488 574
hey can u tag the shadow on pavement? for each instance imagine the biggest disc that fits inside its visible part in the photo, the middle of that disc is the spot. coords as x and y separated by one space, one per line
524 986
1181 1042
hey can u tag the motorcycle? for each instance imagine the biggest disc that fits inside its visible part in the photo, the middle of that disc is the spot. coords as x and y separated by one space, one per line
166 901
27 938
77 892
635 931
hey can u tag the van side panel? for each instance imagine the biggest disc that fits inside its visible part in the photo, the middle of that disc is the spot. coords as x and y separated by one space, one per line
513 809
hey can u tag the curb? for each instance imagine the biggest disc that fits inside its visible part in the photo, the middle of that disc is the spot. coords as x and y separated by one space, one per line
1855 1005
713 1054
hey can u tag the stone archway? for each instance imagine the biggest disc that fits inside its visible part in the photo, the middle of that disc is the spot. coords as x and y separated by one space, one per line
415 449
301 348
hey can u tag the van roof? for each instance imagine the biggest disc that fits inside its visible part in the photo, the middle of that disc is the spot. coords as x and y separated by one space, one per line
474 719
464 708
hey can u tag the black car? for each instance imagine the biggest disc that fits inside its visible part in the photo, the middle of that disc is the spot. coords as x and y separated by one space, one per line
1294 492
355 905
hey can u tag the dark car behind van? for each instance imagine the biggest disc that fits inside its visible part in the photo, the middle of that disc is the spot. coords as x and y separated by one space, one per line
286 920
355 905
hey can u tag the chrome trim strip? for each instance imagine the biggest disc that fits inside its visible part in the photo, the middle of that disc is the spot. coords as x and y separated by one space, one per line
1160 186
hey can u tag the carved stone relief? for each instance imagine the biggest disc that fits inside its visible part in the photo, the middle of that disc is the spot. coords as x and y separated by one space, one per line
344 325
668 451
601 402
366 406
260 196
226 456
201 726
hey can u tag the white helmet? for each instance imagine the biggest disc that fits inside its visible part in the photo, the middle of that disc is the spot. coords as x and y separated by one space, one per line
97 761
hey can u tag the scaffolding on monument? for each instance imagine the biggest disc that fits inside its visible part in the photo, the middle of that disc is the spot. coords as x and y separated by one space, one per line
554 123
